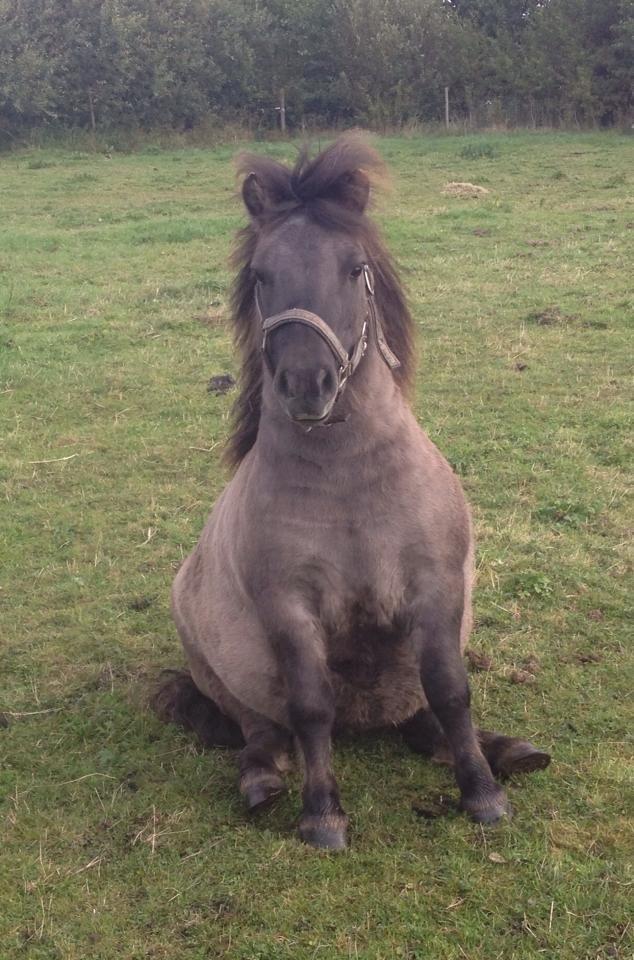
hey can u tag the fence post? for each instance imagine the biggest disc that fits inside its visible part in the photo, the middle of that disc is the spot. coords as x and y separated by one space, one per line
93 124
282 111
447 107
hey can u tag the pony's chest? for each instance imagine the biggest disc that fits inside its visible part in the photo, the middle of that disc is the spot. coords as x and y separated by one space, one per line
362 583
365 633
373 667
364 619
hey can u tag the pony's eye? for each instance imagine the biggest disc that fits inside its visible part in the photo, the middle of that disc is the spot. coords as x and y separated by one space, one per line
356 271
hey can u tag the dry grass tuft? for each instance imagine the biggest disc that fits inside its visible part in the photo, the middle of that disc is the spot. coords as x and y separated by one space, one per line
465 191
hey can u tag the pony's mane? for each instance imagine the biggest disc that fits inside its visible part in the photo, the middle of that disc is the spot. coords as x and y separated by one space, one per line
323 188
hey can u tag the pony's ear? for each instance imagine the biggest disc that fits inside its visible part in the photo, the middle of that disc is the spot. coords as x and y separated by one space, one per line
255 199
351 190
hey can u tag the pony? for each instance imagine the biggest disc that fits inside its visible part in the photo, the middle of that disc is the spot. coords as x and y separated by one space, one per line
331 586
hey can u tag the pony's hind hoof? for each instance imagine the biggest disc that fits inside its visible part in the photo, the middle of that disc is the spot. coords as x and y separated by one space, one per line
325 833
260 792
522 757
488 809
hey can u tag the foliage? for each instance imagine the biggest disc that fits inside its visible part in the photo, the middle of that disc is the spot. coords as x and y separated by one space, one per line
479 151
180 63
119 838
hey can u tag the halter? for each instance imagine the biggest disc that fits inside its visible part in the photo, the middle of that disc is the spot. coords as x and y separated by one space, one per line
348 362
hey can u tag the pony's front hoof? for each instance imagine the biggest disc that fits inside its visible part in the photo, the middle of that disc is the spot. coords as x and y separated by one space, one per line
260 790
487 808
326 833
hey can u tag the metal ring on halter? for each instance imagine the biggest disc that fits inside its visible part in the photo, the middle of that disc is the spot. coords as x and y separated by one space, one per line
369 279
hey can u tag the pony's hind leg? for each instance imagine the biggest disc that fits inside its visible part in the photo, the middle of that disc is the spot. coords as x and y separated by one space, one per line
178 700
509 755
263 760
505 755
265 744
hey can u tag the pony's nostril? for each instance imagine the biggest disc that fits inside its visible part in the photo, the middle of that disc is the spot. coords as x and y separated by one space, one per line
284 385
325 381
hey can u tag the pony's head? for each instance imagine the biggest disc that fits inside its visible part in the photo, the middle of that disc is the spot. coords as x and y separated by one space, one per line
307 263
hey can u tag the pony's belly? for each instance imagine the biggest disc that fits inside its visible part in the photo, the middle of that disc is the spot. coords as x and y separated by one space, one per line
376 681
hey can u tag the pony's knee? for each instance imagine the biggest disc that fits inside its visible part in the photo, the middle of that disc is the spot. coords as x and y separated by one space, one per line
307 718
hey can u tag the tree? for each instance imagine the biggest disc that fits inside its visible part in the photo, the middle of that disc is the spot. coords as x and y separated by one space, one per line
110 63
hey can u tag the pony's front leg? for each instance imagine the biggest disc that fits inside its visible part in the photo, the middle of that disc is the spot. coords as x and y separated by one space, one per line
311 714
444 680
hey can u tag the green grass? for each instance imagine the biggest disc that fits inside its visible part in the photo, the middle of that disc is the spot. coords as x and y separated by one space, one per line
121 839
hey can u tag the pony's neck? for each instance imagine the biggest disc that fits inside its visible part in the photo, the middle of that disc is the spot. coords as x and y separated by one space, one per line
370 411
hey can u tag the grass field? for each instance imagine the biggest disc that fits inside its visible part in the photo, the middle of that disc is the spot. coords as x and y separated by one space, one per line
120 838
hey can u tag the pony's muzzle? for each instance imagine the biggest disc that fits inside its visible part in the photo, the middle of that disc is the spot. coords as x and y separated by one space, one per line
306 393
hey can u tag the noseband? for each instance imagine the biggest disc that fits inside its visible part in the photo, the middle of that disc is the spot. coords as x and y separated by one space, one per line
348 362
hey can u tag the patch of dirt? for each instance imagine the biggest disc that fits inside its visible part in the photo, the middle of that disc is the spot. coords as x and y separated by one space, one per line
522 677
438 805
520 367
481 232
589 657
532 664
595 615
141 603
538 243
221 383
130 782
465 191
550 317
477 660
